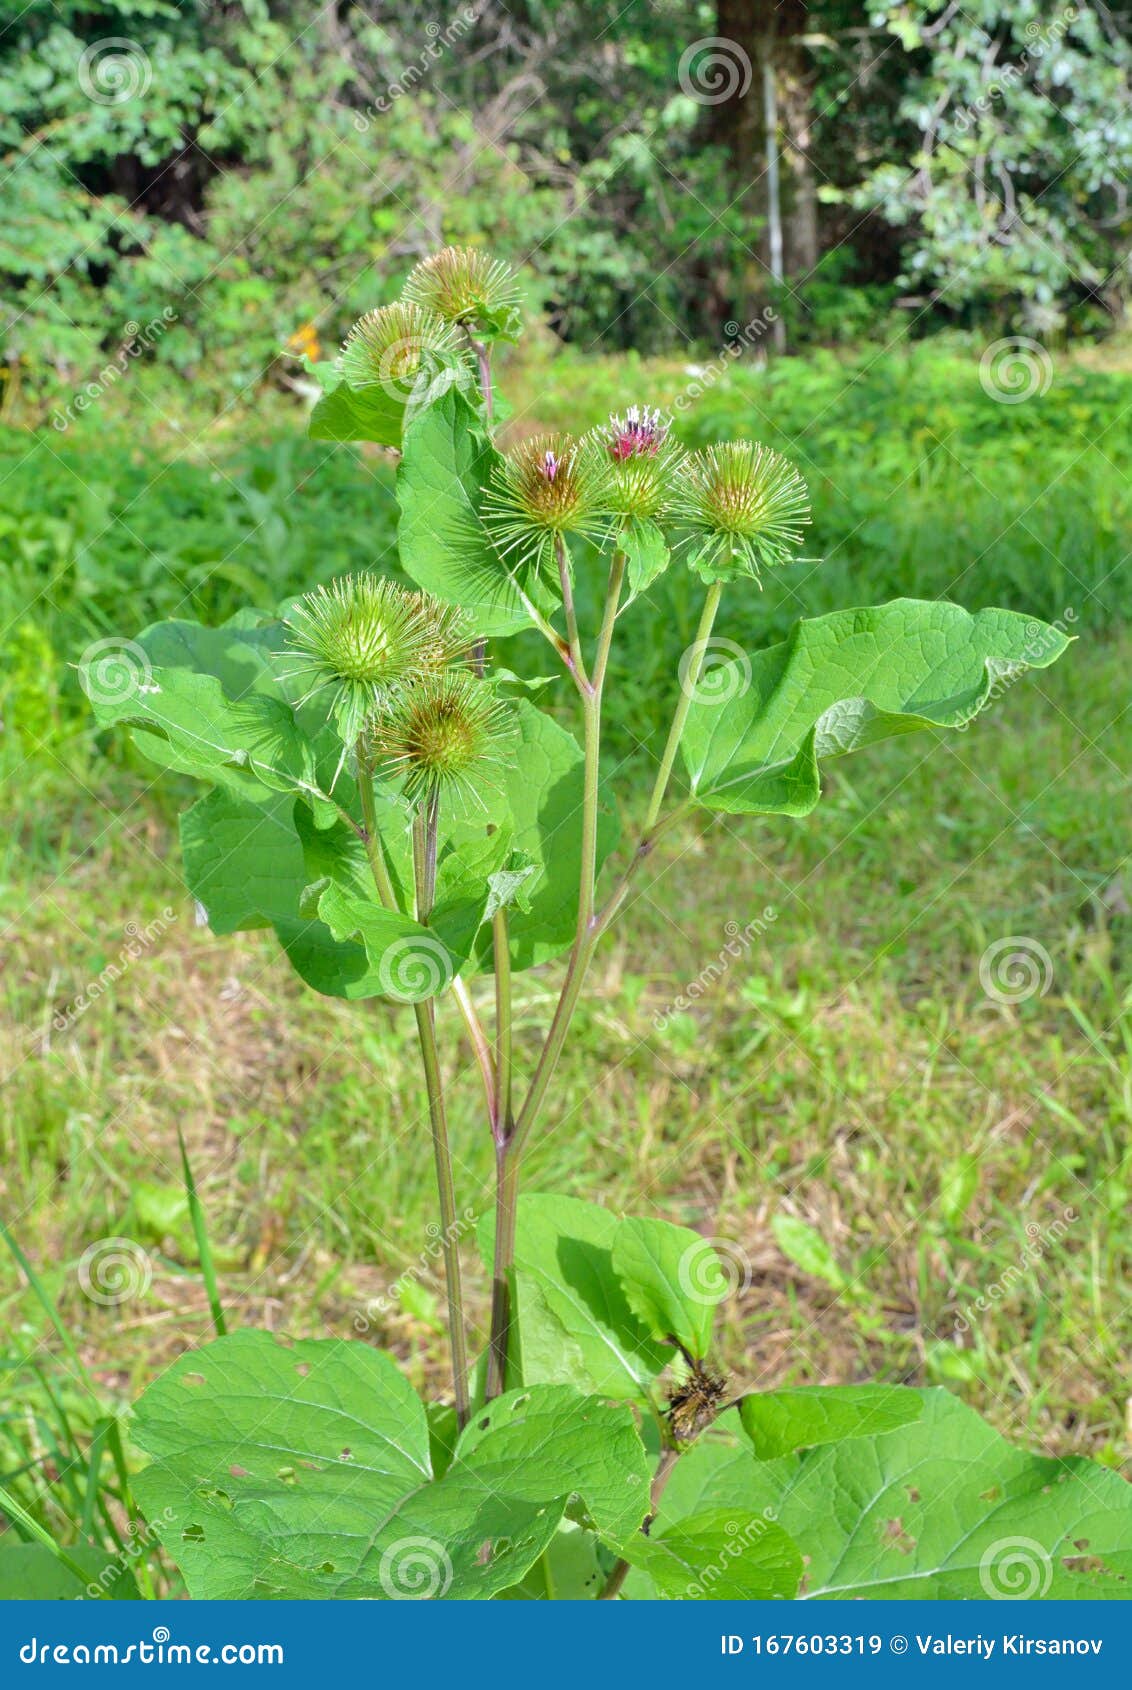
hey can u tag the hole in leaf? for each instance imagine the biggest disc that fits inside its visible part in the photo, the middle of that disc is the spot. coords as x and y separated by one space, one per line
238 1472
193 1379
483 1553
328 1567
193 1534
913 1493
1081 1543
302 1368
311 1466
212 1493
287 1476
991 1495
347 1454
284 1342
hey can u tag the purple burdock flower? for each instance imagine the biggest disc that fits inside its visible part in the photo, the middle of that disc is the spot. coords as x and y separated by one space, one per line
640 433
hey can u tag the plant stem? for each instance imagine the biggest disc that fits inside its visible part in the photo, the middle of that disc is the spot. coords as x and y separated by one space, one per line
668 1460
501 948
687 689
512 1135
370 835
425 834
483 359
424 858
506 1197
426 1033
577 662
479 1043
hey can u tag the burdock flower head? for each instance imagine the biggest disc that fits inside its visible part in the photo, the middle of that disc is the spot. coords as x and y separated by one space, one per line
465 286
548 486
746 506
390 347
365 639
443 735
642 460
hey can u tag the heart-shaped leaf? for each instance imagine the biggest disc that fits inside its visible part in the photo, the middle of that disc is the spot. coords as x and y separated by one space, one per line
753 737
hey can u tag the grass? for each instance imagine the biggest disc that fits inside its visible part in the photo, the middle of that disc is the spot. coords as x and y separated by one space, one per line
962 1164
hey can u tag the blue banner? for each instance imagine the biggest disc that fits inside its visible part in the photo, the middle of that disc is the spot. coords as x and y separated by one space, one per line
582 1645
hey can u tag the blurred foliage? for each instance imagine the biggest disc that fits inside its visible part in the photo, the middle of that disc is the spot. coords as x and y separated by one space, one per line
217 186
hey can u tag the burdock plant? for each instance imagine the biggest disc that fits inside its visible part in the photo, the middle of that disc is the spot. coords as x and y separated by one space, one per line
419 826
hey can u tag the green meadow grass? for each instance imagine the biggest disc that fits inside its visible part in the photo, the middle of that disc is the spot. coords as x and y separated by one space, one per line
915 1180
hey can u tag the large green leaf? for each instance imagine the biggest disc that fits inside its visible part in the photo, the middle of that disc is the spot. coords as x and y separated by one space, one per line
721 1554
31 1572
253 865
780 1422
941 1508
672 1279
843 681
542 786
574 1320
548 1441
185 721
442 541
380 411
304 1470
